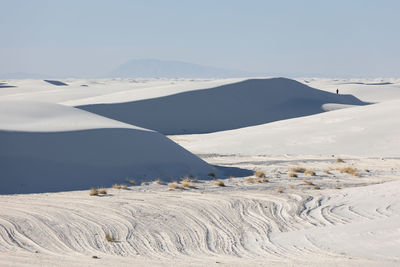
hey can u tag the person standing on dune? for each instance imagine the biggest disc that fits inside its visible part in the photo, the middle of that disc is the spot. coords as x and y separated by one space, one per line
337 91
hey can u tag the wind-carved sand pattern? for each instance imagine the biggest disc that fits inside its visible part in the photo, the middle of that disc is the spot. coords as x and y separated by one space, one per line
240 222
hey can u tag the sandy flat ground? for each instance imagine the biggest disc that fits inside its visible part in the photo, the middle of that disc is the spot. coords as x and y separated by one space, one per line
348 221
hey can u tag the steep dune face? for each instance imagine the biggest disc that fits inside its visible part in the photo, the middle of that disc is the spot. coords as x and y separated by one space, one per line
232 106
48 147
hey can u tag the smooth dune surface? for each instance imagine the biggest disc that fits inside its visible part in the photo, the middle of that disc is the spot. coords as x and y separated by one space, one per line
47 147
247 103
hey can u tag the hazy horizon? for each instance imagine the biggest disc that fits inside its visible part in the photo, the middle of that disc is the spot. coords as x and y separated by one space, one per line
93 38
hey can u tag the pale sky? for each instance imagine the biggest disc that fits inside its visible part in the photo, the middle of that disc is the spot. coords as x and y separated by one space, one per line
352 38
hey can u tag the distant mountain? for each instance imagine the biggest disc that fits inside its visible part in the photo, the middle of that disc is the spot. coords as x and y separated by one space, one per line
173 69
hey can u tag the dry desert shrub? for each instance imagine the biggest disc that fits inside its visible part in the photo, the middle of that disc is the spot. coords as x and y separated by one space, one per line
263 180
337 187
173 186
310 172
116 186
219 183
93 192
188 185
340 160
186 180
123 186
280 190
102 191
144 183
298 169
349 170
317 187
131 182
292 174
158 181
259 174
110 238
250 180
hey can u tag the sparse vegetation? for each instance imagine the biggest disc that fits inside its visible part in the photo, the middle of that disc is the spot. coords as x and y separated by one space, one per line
259 174
219 183
94 192
144 183
337 187
262 180
349 170
110 238
309 172
249 180
327 171
317 187
124 186
116 186
340 160
187 185
158 181
292 174
173 186
212 174
279 190
102 191
131 182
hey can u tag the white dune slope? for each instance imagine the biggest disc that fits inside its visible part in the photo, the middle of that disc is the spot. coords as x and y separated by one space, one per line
246 103
48 147
372 130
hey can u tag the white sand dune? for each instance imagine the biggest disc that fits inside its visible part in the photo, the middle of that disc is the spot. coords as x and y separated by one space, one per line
242 104
48 147
330 219
370 130
241 224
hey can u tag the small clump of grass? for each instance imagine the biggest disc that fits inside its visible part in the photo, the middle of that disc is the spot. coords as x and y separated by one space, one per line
317 187
279 190
116 186
187 185
327 171
337 187
259 174
250 180
94 192
219 183
309 172
350 170
123 186
173 186
212 174
131 182
158 181
102 191
262 180
292 174
298 169
110 238
340 160
144 183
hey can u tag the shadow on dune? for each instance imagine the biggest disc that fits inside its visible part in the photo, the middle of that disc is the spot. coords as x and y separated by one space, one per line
36 162
248 103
